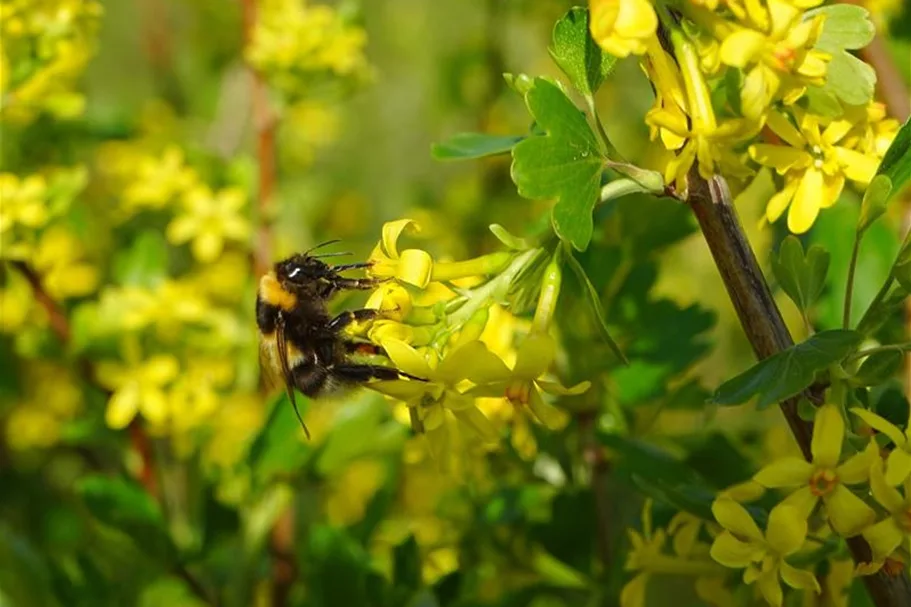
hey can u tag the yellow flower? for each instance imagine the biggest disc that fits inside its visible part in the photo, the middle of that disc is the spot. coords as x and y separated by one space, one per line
742 545
22 202
837 583
814 166
898 464
412 266
648 557
57 260
159 181
824 478
432 400
683 119
239 417
621 27
887 535
350 491
522 386
209 220
16 304
194 397
138 386
776 53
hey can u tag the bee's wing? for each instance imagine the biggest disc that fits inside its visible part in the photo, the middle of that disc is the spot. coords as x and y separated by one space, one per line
268 363
282 348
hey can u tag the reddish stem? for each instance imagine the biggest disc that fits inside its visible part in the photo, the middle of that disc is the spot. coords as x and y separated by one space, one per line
60 325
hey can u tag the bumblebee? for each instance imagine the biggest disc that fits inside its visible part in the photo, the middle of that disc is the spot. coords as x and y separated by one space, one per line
301 343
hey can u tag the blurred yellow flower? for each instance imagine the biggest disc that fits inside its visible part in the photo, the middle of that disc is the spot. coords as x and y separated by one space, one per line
621 27
208 220
743 546
825 478
898 464
158 181
886 536
813 164
194 397
138 385
57 259
351 490
23 202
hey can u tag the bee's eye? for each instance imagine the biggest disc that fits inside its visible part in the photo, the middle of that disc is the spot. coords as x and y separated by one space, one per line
294 272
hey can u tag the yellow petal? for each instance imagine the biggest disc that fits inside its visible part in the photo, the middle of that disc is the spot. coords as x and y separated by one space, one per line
898 466
731 552
552 387
780 201
468 360
550 416
782 127
122 407
884 537
805 206
161 369
415 267
181 229
759 88
637 19
786 530
836 130
832 187
828 433
633 593
407 358
207 246
848 514
799 579
888 496
802 501
856 468
734 517
770 588
785 472
154 407
779 157
741 48
535 356
473 418
391 232
878 423
858 167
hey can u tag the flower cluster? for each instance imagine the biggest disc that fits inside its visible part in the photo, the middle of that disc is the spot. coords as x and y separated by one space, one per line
299 46
741 86
434 324
53 41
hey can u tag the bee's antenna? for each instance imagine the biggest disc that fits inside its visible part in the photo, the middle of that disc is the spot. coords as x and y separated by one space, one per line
332 254
321 245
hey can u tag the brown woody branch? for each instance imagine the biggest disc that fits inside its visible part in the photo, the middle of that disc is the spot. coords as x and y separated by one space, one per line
765 329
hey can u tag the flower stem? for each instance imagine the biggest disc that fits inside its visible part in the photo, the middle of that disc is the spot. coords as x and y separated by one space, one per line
479 266
849 289
764 327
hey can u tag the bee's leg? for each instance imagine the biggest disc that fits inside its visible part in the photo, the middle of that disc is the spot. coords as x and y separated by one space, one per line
354 373
346 318
361 284
310 379
363 347
351 266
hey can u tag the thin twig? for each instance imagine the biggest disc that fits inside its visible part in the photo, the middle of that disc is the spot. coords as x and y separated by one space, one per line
281 539
139 440
765 329
849 289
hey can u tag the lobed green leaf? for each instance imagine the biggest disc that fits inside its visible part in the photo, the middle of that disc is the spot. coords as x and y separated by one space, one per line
787 373
565 164
577 54
802 277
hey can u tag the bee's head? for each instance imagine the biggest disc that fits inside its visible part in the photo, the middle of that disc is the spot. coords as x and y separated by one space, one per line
301 270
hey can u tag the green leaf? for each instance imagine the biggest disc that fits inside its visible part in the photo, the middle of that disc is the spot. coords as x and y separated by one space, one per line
406 565
126 507
821 102
874 203
787 373
144 263
642 458
850 79
879 368
580 58
846 26
337 569
464 146
594 301
801 276
280 447
896 164
565 164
